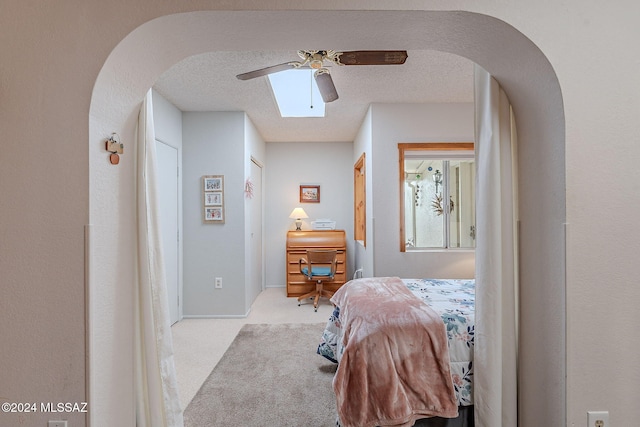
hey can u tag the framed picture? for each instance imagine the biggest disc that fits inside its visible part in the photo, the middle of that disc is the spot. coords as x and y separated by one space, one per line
309 194
215 214
213 199
213 182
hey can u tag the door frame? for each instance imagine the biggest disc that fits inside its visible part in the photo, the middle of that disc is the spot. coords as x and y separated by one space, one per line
260 165
180 230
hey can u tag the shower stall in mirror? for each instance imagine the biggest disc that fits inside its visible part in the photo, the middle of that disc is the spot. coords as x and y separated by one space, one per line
438 200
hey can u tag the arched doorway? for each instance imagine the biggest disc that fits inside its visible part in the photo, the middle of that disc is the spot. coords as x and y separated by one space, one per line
511 58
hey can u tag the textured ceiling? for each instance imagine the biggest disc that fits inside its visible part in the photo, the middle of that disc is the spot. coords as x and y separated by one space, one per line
207 82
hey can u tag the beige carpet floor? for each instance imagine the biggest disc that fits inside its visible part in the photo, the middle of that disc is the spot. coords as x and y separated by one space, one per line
269 376
200 343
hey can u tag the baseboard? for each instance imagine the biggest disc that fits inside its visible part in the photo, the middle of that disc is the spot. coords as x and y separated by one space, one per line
216 316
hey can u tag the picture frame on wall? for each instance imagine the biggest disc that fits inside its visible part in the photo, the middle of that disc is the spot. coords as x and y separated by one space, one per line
213 199
309 194
213 182
215 214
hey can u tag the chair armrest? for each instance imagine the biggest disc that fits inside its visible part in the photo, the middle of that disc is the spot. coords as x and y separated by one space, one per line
300 262
334 267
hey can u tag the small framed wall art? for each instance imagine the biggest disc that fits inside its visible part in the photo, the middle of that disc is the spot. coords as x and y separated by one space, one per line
213 199
309 194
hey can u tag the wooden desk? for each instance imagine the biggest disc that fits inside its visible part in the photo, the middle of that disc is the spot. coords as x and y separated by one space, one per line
297 244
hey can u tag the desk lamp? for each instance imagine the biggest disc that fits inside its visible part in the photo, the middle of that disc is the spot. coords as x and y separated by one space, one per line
298 214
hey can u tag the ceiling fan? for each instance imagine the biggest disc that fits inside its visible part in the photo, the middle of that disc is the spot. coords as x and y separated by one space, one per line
315 59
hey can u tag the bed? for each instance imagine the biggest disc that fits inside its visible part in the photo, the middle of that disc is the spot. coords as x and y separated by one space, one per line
385 333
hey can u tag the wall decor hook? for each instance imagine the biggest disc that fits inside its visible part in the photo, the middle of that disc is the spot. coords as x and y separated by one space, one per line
115 147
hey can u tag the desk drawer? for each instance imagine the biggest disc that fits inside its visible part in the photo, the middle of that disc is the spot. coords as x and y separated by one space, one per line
298 242
294 256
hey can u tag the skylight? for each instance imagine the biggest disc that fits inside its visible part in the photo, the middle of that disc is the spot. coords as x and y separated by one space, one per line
296 93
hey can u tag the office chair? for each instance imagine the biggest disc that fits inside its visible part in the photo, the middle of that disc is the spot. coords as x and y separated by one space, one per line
318 266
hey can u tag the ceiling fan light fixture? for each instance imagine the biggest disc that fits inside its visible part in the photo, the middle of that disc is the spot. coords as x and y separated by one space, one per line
325 85
316 59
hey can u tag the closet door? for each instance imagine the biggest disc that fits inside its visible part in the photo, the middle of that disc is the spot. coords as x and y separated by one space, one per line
167 168
257 268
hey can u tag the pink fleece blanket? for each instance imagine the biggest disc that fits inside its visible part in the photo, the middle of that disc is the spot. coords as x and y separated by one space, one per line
394 368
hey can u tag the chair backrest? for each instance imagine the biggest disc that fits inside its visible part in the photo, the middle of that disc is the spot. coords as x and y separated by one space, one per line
320 264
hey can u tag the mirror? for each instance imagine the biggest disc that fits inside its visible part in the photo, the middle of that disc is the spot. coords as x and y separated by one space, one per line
437 188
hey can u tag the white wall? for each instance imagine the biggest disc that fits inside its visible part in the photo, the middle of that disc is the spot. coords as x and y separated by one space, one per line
47 99
363 257
390 125
328 164
255 148
218 143
167 120
213 144
211 137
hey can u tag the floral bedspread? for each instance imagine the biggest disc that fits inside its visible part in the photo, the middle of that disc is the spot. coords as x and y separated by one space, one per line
454 301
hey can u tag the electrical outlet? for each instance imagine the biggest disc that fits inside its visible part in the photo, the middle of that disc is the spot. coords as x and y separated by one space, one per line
57 424
598 419
218 283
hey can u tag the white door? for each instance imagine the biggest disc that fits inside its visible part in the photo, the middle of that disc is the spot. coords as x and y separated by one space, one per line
167 167
256 266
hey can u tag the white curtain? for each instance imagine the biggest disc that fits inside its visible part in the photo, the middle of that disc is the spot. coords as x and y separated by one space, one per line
495 373
157 403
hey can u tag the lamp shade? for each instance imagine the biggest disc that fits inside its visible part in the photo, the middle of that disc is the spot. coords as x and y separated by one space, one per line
298 213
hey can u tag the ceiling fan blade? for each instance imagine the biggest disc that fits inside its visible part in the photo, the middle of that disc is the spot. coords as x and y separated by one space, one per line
373 57
264 71
325 85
